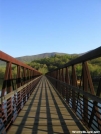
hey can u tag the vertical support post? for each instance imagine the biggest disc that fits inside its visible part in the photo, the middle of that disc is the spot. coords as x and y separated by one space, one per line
57 79
30 74
58 86
67 80
95 108
18 77
7 87
24 75
60 80
85 88
74 83
33 74
7 80
27 75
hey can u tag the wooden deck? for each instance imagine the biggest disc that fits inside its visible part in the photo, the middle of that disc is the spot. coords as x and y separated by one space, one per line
45 113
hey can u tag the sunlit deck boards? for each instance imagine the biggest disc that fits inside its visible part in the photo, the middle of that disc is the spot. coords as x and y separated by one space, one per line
45 113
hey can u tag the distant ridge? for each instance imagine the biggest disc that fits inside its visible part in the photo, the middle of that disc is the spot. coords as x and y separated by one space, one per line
28 59
39 56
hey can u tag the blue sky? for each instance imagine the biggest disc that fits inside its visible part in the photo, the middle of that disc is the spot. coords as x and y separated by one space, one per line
30 27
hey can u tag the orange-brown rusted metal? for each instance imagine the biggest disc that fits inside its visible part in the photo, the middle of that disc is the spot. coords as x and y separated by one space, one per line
10 107
74 83
77 98
7 58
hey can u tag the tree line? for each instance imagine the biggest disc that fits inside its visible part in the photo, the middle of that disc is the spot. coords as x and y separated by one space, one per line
48 64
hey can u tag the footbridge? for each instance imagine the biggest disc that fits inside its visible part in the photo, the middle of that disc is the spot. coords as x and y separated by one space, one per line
59 102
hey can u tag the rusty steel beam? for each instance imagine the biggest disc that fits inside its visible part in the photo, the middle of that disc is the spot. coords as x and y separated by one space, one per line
85 88
7 58
85 57
74 83
7 80
61 74
21 73
15 101
18 81
67 80
89 95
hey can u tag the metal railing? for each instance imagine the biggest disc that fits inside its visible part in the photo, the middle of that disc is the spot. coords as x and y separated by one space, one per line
81 96
15 91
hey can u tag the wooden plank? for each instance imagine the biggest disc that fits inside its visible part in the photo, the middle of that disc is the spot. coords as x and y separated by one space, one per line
41 115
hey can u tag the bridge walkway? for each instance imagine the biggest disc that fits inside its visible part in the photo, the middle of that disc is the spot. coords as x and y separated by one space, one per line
45 113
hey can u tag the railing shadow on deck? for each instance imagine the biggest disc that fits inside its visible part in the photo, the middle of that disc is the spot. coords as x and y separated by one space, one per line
83 99
15 91
32 127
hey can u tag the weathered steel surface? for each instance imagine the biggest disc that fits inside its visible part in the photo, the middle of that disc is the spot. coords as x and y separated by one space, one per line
81 104
12 99
84 91
12 103
7 58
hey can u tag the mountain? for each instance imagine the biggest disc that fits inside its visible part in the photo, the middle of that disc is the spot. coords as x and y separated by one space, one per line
28 59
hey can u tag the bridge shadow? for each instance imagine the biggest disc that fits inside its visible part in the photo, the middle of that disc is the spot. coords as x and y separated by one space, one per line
42 114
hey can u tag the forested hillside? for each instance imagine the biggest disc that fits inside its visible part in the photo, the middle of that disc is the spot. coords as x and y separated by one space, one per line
28 59
48 64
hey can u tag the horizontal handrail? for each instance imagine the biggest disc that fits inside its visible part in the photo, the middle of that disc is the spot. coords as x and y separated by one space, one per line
65 80
12 103
85 57
7 58
86 106
89 95
7 96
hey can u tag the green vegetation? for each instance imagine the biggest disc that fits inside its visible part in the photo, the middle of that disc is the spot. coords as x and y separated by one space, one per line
28 59
48 64
45 65
2 70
